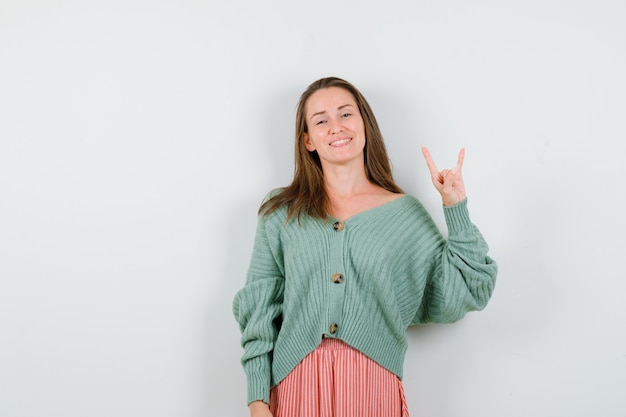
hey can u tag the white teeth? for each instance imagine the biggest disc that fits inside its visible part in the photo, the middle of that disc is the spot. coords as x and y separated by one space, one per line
340 142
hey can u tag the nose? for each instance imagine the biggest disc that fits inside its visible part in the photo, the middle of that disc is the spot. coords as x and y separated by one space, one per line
335 126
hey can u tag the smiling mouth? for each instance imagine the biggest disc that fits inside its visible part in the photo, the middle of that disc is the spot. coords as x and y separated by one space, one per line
340 142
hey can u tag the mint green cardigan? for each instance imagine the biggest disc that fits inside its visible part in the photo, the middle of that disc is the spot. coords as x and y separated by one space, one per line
363 281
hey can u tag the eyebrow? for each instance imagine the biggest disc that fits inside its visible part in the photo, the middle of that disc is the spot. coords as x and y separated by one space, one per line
324 111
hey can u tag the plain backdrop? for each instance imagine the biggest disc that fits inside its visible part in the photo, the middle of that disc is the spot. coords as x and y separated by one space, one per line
137 139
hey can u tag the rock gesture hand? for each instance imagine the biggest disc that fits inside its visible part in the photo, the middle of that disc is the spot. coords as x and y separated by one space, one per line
448 182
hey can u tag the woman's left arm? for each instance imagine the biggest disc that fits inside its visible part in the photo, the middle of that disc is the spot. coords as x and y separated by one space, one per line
462 276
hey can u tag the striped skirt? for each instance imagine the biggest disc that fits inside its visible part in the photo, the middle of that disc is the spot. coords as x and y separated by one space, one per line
336 380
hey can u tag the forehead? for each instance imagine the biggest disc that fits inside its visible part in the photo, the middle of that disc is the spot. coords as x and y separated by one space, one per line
328 99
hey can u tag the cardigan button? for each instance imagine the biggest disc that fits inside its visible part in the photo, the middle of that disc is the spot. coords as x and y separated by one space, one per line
333 328
338 226
337 278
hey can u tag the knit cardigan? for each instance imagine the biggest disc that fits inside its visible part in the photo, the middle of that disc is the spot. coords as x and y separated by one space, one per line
363 281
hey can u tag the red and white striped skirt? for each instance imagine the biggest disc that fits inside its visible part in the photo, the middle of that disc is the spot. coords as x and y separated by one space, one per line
336 380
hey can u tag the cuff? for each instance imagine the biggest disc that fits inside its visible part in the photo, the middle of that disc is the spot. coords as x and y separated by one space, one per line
457 217
258 378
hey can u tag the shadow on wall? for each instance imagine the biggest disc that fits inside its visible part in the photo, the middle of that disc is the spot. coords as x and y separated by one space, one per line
225 380
514 326
226 384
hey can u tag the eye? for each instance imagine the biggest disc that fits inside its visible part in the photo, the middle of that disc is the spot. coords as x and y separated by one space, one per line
344 115
321 121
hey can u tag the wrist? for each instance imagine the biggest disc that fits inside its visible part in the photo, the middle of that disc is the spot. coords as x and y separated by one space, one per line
450 203
258 404
259 409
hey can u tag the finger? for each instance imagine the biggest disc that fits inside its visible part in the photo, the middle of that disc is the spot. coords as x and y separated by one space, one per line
447 179
459 162
434 172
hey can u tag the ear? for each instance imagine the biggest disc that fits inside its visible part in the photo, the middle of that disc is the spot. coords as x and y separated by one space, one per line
307 142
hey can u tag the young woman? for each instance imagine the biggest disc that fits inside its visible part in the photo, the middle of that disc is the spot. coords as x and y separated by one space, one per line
343 262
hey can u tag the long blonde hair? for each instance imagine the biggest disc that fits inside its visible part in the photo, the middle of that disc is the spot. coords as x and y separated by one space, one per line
306 193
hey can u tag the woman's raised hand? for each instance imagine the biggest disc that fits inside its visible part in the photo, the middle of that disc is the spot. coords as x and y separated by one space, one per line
448 182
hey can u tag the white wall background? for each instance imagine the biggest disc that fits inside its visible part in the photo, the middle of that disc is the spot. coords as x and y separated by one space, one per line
137 139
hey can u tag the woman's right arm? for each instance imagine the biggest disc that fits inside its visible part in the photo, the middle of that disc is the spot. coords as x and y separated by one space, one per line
256 308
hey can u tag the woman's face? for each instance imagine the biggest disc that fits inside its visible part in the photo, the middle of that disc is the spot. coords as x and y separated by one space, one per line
335 126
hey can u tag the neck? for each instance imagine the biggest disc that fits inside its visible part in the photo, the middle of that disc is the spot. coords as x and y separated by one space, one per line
344 181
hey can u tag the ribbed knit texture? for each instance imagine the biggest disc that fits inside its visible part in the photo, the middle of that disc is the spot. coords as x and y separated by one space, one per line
397 270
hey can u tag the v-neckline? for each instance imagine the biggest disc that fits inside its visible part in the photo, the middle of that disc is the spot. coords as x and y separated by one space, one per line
367 212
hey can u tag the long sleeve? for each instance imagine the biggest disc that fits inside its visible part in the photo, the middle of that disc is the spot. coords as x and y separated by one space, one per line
461 276
257 308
